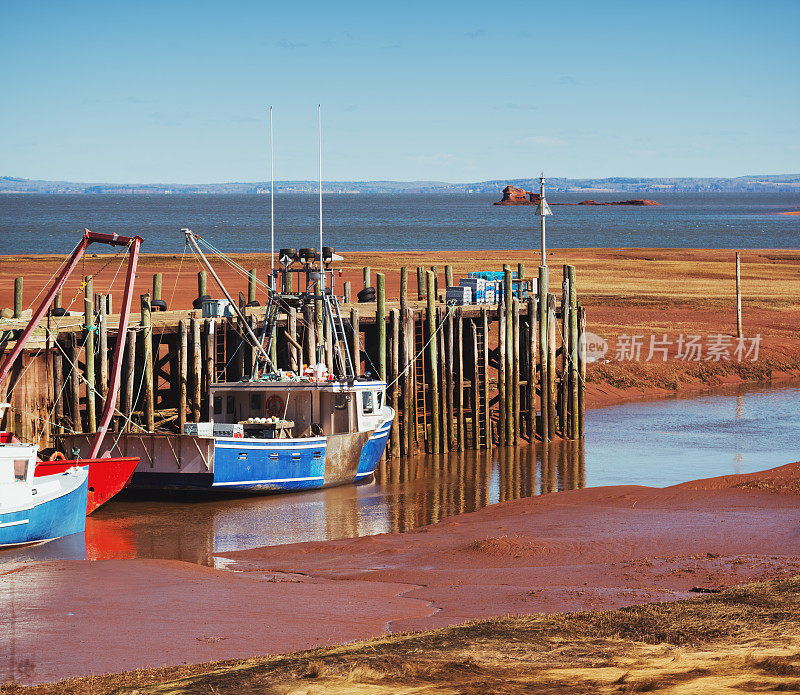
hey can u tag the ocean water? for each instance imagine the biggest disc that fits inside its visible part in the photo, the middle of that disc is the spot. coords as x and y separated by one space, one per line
353 222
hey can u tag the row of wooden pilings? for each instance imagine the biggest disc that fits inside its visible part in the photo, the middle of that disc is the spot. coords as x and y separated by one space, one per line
459 377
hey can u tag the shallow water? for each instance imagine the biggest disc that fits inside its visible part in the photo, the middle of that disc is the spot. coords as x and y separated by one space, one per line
400 222
655 443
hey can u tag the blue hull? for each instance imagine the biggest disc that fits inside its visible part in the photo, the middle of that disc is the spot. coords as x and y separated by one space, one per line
52 518
275 465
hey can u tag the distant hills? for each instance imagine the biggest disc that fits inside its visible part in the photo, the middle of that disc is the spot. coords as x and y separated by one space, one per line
782 182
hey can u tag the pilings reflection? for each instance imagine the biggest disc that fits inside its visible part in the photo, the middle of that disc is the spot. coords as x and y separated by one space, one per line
424 489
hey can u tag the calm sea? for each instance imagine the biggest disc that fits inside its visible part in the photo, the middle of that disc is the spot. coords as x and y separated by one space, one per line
48 223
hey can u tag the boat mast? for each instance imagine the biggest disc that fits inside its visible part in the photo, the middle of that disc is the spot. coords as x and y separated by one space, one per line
190 238
271 205
319 123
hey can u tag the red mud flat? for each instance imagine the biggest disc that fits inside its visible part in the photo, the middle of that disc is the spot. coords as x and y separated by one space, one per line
595 548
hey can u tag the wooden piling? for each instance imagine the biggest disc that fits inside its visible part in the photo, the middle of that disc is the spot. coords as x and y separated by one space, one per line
202 283
17 298
564 389
394 435
448 276
147 342
348 296
515 378
355 350
103 353
294 353
551 363
58 390
460 435
543 316
421 287
288 282
433 361
531 376
407 355
88 360
196 369
403 289
75 383
57 302
508 296
450 381
380 320
521 272
504 433
574 374
366 276
130 379
158 280
310 341
183 368
441 366
208 369
252 278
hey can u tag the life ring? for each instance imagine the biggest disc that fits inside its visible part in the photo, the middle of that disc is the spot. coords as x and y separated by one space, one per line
275 405
56 456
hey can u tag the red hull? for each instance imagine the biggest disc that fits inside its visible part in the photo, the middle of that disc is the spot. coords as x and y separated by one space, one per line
106 476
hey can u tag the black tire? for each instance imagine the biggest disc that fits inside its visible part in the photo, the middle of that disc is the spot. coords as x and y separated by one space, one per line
366 295
198 303
308 253
58 311
158 305
289 253
255 302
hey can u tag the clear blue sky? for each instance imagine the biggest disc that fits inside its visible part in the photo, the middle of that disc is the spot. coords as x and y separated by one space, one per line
176 91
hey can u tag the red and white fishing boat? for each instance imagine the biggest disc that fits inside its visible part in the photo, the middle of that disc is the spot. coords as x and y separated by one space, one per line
107 475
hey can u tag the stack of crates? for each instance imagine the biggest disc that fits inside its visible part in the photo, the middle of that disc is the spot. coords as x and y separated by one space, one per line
459 295
477 287
494 283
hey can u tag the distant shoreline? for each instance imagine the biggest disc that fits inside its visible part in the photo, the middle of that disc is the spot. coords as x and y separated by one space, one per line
787 183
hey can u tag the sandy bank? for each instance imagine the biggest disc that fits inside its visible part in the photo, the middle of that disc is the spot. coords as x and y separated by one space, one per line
594 548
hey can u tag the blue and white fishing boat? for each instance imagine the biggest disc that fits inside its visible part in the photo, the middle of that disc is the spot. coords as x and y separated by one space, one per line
34 510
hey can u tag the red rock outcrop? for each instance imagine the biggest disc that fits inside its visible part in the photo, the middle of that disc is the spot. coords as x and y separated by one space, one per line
640 201
518 196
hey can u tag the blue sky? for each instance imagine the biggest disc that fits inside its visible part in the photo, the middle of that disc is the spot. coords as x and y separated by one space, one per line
177 91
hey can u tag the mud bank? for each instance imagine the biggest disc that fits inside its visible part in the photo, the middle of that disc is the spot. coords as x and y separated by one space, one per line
629 291
590 549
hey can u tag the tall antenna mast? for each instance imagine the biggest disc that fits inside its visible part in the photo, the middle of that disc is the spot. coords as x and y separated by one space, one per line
542 214
319 122
271 204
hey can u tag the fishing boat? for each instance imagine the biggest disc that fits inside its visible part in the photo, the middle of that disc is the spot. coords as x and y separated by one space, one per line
300 427
109 474
34 510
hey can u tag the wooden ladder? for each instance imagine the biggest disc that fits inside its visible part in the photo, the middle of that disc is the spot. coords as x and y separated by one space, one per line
420 399
480 388
221 351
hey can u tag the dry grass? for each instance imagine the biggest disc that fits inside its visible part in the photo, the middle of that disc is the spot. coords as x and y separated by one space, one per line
744 639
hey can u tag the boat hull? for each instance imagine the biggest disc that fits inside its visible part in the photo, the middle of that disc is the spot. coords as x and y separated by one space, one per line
228 464
107 476
58 509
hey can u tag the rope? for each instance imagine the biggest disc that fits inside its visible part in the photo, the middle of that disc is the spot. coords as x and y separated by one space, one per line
424 347
569 357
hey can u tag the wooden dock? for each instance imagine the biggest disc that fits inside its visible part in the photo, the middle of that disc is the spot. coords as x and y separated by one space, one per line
460 377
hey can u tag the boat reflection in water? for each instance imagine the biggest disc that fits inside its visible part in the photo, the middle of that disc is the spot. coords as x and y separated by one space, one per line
406 494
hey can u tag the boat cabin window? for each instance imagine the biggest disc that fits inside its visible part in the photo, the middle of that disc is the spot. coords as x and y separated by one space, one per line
217 405
367 402
20 469
255 401
230 405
